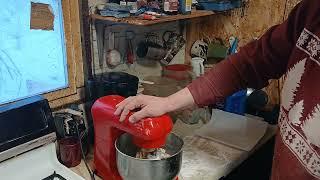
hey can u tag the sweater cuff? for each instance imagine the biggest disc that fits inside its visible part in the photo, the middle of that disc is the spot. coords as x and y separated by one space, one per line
201 92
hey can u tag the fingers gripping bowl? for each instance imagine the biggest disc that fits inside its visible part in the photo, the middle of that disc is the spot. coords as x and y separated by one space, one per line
132 168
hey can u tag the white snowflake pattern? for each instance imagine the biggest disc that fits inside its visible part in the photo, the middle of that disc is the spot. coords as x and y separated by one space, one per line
313 47
315 166
318 47
300 147
307 155
303 38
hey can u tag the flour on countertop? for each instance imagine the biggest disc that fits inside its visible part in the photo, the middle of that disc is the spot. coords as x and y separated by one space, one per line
205 159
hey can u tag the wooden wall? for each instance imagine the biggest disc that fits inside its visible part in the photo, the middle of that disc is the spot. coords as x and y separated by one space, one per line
245 23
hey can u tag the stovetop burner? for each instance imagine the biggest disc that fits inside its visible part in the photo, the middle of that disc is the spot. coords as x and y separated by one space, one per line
54 176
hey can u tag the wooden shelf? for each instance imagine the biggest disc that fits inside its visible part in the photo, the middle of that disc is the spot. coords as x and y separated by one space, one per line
140 22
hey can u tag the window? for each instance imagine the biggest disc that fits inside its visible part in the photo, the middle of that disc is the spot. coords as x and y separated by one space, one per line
32 48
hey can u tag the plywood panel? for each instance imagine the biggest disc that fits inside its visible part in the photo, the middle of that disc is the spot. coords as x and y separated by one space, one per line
289 6
246 23
41 16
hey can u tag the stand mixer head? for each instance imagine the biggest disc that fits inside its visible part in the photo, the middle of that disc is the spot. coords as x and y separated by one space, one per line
148 133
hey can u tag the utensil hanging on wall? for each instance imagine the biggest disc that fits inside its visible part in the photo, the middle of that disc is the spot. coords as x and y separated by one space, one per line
173 42
130 54
113 55
149 50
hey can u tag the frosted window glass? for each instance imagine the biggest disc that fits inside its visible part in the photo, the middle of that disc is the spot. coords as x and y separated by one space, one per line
31 61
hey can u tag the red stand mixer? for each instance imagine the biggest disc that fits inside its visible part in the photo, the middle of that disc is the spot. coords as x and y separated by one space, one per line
148 133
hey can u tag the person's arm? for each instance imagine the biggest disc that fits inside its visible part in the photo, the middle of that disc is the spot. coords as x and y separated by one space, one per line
253 66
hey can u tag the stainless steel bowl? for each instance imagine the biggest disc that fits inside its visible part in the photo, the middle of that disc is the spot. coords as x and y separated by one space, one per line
131 168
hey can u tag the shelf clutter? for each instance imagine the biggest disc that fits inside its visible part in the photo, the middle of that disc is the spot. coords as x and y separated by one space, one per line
143 13
138 21
146 12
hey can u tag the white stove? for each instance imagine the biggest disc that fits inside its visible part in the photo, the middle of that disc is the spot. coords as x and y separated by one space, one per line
40 163
28 150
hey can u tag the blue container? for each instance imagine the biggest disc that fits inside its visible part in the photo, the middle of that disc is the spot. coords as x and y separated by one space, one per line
219 6
236 103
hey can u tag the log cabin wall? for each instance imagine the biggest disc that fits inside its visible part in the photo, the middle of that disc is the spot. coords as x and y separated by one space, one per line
246 23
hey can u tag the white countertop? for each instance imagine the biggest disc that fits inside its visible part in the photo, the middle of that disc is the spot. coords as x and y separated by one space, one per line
205 159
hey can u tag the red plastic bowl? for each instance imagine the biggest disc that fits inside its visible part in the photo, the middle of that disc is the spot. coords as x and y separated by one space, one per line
177 71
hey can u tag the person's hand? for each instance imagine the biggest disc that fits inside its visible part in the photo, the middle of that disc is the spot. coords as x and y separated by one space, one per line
150 106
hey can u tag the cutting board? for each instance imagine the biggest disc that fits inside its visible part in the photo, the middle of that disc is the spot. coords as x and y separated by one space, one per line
234 130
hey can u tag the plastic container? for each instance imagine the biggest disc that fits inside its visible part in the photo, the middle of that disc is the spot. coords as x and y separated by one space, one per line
219 6
177 71
236 103
70 152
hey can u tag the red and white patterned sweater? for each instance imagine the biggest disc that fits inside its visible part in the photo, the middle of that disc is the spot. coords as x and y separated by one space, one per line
291 49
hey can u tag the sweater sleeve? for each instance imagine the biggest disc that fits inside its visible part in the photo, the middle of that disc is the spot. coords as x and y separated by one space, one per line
254 64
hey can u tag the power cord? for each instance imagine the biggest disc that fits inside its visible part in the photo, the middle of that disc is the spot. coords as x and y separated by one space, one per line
83 155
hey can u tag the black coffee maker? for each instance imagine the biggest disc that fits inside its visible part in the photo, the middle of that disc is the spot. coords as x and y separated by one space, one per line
114 83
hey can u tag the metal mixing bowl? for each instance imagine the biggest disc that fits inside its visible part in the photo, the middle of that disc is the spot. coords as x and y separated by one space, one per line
131 168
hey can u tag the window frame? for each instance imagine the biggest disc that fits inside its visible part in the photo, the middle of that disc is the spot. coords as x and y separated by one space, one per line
72 33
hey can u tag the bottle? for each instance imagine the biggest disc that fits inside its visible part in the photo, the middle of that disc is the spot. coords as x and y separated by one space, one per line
185 6
123 3
133 6
171 7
